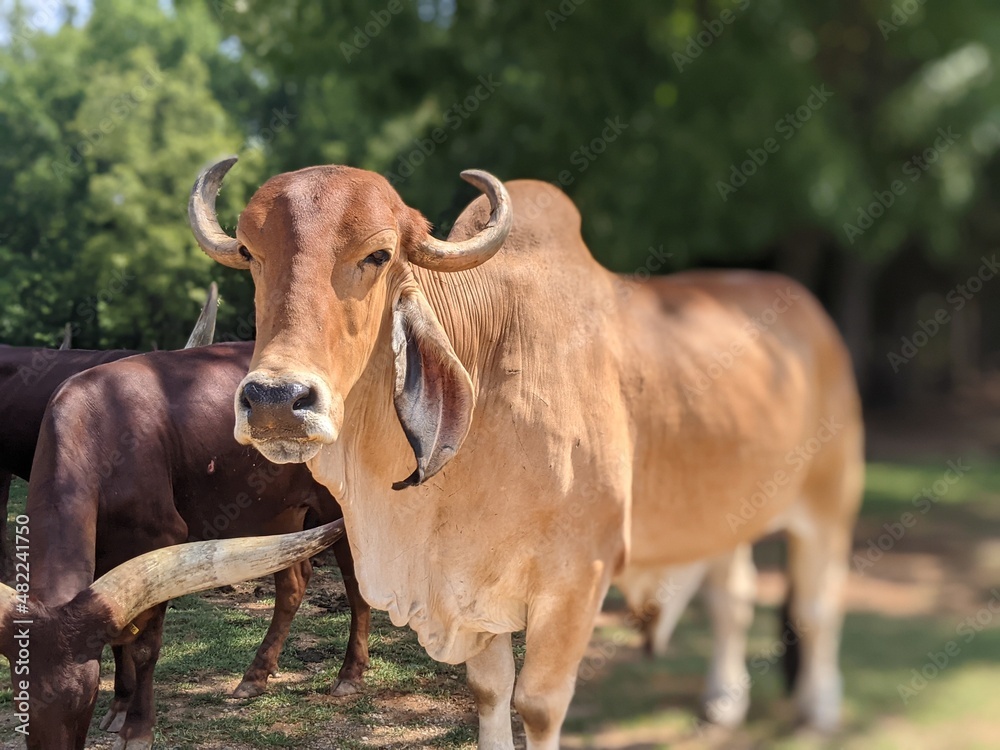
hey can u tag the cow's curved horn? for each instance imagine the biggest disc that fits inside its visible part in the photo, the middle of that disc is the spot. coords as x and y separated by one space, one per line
205 224
442 255
67 339
152 578
204 328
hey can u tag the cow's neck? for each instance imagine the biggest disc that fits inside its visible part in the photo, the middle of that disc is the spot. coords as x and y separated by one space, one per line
396 536
62 532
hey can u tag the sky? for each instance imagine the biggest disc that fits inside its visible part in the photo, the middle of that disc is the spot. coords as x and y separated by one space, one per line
43 16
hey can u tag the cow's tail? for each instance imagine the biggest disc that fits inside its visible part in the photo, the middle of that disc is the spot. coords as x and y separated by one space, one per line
790 661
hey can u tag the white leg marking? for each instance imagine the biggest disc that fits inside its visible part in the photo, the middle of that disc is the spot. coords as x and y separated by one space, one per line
730 591
818 571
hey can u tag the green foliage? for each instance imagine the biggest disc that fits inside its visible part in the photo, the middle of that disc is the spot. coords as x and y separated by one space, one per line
108 122
421 89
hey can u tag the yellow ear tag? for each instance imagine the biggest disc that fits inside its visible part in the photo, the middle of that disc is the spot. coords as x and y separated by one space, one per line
133 629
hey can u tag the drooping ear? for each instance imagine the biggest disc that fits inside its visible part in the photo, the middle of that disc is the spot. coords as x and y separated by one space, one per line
433 392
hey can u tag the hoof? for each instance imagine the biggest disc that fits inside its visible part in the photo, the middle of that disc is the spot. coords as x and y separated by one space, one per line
726 708
824 720
136 743
342 688
249 689
819 709
113 720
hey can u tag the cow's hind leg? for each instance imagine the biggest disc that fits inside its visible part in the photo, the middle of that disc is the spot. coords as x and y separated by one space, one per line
730 591
351 676
818 570
559 629
136 732
124 689
672 597
289 590
491 679
819 545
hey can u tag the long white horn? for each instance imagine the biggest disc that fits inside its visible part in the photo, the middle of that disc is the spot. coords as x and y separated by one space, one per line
442 255
204 328
152 578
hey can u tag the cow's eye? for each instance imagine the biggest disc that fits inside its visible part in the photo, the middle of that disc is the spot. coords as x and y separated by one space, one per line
378 258
245 254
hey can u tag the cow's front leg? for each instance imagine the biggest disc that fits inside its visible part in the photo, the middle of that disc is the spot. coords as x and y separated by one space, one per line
124 689
491 679
350 679
559 628
289 590
137 731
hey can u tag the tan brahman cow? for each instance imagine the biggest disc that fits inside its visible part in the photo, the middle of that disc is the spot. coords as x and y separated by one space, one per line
568 425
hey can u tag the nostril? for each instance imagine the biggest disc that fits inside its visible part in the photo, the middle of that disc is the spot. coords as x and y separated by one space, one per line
252 393
276 398
305 401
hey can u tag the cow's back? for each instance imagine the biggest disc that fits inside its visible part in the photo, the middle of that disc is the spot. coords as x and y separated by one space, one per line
28 378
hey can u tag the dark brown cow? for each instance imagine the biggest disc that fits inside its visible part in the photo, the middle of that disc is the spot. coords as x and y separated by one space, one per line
28 377
134 456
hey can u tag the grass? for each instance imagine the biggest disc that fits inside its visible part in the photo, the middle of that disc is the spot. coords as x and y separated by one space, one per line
904 610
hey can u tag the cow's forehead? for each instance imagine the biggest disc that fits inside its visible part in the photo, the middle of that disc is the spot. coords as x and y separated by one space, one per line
333 206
